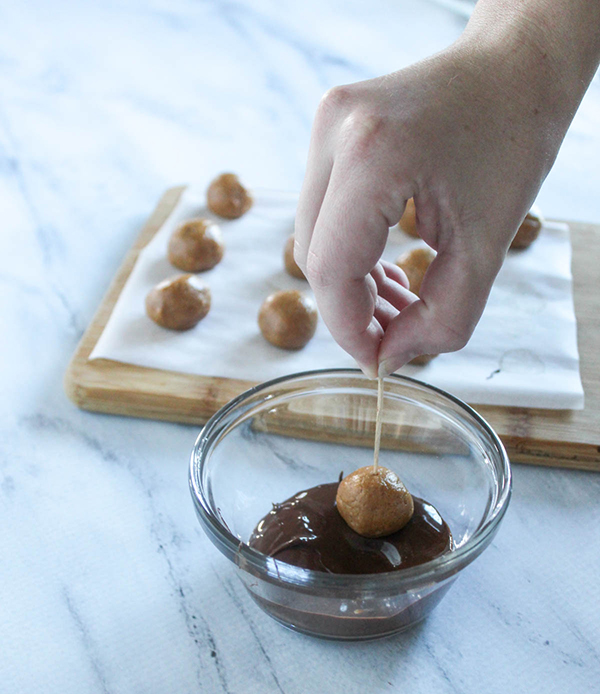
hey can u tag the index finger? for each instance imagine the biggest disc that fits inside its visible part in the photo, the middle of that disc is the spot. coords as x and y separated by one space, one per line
348 239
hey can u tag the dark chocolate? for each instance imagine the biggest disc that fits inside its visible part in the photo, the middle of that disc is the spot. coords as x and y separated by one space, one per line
307 531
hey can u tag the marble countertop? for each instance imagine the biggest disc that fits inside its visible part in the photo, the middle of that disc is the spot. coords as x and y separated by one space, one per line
108 585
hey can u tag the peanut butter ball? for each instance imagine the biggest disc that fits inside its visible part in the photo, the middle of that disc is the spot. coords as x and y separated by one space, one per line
227 197
196 245
288 319
528 232
415 264
374 502
290 263
408 221
179 303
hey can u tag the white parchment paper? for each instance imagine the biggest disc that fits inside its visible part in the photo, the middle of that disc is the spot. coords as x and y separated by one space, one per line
523 352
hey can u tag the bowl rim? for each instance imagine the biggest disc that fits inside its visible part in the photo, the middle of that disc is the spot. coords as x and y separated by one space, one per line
437 569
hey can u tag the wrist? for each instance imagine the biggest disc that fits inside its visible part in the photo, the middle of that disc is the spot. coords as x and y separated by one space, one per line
549 49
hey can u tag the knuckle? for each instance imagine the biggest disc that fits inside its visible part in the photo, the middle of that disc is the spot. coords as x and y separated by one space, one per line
316 271
335 99
360 133
451 339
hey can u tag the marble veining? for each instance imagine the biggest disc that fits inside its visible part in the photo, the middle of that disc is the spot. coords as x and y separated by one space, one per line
108 585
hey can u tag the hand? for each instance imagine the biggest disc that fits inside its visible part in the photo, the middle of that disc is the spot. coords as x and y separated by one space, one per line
470 135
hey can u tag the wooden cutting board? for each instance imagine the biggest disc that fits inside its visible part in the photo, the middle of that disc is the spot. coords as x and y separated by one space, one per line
562 438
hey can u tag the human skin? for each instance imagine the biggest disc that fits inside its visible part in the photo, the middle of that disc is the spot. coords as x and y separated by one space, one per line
471 134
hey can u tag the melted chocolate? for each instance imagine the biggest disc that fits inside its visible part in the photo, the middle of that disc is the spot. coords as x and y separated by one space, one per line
307 531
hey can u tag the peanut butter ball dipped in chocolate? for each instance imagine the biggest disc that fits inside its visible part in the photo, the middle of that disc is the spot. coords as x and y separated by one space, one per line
196 246
227 197
367 523
374 502
179 303
308 531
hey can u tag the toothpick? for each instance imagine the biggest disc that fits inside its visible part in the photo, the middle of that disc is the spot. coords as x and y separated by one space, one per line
378 423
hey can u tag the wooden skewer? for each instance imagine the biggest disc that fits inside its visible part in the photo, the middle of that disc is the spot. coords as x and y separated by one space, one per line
378 422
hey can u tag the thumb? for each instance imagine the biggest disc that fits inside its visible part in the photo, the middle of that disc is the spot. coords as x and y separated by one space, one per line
453 295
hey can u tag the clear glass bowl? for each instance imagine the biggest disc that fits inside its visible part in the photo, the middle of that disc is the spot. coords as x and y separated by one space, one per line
305 429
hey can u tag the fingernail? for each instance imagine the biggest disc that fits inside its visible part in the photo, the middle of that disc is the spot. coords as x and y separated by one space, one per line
369 371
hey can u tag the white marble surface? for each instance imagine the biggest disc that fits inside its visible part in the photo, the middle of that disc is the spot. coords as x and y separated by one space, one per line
107 584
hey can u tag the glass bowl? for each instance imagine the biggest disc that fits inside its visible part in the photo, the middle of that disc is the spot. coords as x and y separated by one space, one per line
302 430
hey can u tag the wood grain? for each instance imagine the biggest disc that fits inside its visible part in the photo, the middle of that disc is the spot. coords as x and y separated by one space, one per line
569 439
